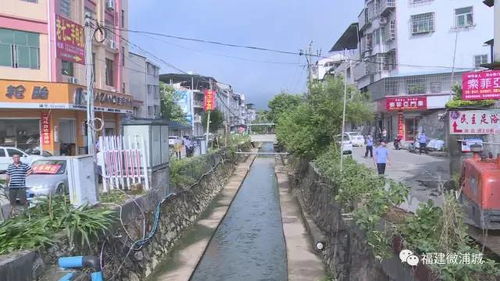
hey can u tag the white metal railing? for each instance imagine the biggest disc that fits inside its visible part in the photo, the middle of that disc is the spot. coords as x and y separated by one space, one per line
122 162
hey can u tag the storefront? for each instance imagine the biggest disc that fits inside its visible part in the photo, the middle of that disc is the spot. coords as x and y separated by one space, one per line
407 116
51 117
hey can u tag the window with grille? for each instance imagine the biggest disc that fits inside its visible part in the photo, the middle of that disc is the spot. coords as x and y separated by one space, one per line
416 86
392 30
369 41
110 79
422 23
19 49
481 59
436 87
464 17
67 68
65 8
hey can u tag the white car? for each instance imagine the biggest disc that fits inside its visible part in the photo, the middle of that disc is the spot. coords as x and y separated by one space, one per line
6 154
356 138
172 140
346 144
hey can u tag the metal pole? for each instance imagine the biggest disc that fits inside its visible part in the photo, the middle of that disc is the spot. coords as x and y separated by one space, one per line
343 122
89 33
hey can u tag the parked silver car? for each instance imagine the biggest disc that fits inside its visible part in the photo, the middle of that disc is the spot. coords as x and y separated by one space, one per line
49 176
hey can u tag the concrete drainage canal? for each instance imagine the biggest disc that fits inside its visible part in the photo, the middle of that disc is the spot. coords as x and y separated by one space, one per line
249 243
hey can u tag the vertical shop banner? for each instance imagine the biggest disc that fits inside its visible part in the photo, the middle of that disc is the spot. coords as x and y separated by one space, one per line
209 102
70 41
45 128
184 100
401 124
475 122
481 85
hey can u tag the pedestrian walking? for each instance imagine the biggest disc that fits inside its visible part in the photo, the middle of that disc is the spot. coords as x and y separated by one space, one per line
369 146
422 141
178 148
381 158
16 181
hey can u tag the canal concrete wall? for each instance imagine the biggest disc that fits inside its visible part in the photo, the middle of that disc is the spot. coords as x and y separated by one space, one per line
121 263
347 254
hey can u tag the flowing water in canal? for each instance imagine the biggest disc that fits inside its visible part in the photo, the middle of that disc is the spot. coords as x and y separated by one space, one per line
249 242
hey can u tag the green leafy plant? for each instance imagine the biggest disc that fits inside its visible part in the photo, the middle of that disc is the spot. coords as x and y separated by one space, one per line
457 101
37 226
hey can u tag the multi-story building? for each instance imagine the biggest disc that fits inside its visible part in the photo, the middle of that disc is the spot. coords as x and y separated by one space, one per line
411 52
42 72
144 77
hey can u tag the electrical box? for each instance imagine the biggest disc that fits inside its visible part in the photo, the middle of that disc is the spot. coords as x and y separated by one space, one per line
81 180
155 135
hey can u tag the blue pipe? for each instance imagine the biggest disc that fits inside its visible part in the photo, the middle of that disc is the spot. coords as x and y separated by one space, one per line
71 262
97 276
68 277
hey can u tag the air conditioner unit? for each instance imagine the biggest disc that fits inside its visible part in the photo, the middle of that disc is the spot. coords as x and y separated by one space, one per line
72 80
383 21
110 4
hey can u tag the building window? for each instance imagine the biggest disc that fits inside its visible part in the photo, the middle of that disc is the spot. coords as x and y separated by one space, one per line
123 56
123 18
123 87
419 1
67 68
422 23
31 1
416 86
481 59
463 17
93 66
376 33
109 73
19 49
150 110
65 8
436 87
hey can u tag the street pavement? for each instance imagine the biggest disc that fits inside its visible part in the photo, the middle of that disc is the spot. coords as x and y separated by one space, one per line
423 174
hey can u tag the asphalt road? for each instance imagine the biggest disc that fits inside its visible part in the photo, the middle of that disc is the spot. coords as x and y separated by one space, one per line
424 174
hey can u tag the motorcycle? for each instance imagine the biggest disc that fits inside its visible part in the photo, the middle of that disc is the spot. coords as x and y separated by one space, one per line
397 143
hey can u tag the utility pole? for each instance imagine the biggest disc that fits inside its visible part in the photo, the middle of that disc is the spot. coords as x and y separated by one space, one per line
343 122
89 34
308 59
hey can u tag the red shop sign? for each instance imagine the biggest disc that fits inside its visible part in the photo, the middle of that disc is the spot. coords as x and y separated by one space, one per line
70 43
484 85
45 128
405 103
209 102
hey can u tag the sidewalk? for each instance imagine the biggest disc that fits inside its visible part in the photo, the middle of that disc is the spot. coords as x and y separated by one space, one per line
422 173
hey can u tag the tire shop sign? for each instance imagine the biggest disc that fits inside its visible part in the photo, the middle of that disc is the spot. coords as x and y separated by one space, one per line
475 122
102 99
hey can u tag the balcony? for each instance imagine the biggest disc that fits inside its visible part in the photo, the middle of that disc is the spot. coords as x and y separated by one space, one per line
386 6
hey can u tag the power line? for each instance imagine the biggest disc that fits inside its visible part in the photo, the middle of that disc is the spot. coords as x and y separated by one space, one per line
300 53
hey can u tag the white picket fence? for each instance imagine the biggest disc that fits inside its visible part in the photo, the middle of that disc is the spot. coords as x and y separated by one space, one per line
123 162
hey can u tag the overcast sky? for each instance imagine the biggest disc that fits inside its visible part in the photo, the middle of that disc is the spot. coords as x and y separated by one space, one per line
278 24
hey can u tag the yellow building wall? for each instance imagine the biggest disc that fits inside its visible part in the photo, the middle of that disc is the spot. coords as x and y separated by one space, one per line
36 11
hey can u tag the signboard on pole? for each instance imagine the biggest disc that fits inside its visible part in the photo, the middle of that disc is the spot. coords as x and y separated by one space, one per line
70 41
184 100
45 118
209 101
406 103
475 122
484 85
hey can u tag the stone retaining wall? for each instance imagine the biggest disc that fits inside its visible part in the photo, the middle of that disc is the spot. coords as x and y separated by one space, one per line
347 254
177 214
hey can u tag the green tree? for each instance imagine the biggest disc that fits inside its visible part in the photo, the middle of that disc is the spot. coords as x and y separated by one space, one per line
170 110
281 103
216 120
312 126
